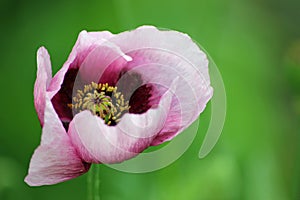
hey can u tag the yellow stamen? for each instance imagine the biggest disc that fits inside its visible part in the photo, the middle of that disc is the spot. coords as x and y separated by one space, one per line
102 100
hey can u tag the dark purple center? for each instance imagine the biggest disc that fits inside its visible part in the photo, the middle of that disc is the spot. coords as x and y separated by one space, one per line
131 86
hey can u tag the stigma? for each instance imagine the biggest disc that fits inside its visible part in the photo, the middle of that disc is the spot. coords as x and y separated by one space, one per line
102 100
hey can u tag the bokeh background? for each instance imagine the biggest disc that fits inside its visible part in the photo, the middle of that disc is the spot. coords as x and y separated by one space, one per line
256 46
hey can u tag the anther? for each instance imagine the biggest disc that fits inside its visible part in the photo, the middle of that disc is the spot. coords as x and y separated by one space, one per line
102 100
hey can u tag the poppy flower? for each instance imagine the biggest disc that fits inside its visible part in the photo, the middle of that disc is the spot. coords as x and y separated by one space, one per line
116 95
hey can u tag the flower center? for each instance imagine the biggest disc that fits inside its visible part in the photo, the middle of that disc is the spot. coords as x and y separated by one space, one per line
102 100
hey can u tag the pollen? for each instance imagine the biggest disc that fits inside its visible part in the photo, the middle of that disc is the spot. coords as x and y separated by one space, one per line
102 100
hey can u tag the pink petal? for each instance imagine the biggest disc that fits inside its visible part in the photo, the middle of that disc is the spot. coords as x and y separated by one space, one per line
86 42
55 160
98 143
44 76
160 56
103 64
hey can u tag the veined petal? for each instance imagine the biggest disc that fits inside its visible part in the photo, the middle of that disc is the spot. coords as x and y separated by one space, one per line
44 76
103 64
55 160
160 56
98 143
62 84
86 42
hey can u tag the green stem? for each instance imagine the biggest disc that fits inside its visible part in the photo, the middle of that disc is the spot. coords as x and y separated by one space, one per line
97 182
90 184
93 182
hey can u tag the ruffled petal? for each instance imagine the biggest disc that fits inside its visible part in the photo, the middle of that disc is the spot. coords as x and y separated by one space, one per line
160 56
98 143
43 78
103 64
55 160
61 86
86 42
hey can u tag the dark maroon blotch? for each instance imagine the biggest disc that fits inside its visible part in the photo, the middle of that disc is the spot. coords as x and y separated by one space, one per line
64 96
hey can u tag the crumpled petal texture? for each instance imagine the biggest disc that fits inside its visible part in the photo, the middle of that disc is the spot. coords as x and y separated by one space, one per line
168 62
44 76
55 160
98 143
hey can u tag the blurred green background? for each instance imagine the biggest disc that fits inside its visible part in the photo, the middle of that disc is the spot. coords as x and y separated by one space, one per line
255 44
